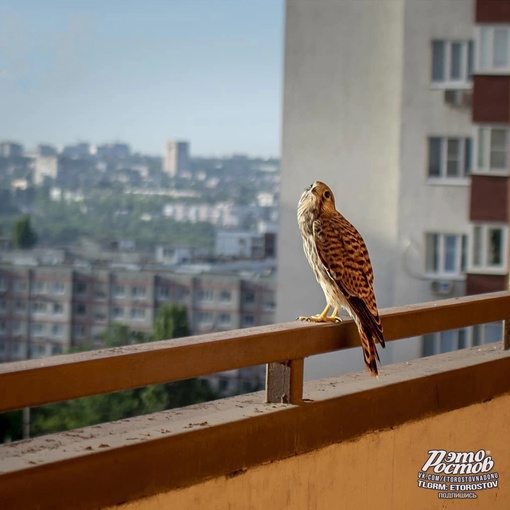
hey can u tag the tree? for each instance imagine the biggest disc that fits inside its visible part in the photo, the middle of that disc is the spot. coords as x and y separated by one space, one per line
24 236
172 322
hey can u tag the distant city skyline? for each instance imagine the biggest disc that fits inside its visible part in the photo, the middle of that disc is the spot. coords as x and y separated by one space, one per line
204 71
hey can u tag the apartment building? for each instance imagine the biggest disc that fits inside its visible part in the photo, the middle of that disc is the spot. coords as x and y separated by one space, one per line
402 108
176 158
47 309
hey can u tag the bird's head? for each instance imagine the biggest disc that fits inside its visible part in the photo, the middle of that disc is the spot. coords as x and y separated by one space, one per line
317 197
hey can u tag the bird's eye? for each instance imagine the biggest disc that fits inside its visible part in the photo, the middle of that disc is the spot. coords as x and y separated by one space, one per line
327 194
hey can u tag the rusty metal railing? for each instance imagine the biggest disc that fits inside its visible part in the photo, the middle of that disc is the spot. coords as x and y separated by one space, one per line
283 347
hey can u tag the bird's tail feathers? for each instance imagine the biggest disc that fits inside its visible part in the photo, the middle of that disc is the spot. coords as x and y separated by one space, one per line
370 354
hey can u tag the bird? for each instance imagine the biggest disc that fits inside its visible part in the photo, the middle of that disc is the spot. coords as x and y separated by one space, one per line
340 261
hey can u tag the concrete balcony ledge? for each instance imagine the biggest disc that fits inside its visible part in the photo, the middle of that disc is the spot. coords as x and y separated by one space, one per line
354 439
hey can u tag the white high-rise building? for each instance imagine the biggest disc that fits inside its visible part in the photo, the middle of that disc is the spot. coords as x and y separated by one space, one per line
45 168
176 158
377 105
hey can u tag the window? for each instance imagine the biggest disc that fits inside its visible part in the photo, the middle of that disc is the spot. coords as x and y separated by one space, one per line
224 319
138 292
58 288
58 308
182 294
445 254
119 291
38 351
248 321
445 341
164 293
269 302
38 307
20 306
204 318
118 313
493 44
452 63
3 305
137 314
249 297
3 284
488 247
20 285
57 330
39 287
449 158
56 349
18 350
492 149
80 309
80 288
100 314
225 296
487 333
100 291
38 329
205 295
79 331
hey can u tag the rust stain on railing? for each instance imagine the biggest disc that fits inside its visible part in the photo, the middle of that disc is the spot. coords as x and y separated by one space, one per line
41 381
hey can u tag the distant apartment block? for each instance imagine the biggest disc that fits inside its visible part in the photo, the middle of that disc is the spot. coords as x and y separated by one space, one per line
176 158
244 244
46 309
11 150
45 169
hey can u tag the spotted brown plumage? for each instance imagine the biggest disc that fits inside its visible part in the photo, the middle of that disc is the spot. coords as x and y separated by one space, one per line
339 258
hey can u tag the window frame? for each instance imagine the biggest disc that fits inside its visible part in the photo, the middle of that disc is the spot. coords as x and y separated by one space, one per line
486 169
465 147
137 314
483 267
461 255
489 67
466 63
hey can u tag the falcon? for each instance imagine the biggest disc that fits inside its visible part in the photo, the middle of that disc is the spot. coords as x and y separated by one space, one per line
339 258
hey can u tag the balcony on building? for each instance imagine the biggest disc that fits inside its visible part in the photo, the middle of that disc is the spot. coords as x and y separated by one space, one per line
351 441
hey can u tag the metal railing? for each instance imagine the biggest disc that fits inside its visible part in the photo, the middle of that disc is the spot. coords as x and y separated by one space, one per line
282 346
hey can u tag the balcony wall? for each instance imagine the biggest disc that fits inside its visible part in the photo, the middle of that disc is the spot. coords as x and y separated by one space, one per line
377 470
351 441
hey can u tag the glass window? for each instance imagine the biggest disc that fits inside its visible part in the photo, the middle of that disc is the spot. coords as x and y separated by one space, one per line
450 261
495 248
434 157
500 58
445 254
492 147
449 158
488 247
438 60
456 61
453 157
493 48
452 63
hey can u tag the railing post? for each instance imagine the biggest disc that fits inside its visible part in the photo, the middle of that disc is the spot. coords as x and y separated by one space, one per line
506 334
284 382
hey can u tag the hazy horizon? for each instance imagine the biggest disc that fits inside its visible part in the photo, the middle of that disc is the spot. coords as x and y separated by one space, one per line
205 71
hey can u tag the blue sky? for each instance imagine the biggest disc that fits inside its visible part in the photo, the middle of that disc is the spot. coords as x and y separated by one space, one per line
143 71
